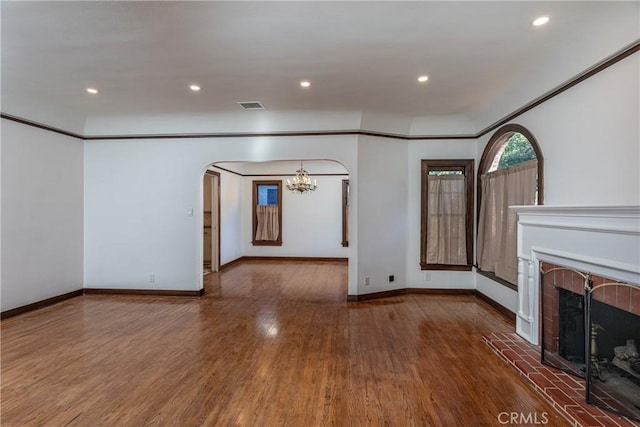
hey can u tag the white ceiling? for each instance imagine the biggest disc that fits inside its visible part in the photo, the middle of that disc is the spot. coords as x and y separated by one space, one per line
359 56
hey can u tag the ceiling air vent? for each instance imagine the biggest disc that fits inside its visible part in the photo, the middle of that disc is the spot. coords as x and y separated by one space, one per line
251 105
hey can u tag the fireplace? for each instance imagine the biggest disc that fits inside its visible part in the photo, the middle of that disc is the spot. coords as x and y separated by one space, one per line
613 361
590 327
588 246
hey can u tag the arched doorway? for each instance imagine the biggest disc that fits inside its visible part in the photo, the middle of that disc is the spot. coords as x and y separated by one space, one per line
312 224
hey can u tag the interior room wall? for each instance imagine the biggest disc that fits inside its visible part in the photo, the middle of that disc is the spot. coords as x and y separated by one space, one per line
42 220
450 124
223 122
382 197
590 140
138 195
311 223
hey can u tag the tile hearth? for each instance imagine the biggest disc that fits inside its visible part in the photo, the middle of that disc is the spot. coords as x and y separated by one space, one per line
565 392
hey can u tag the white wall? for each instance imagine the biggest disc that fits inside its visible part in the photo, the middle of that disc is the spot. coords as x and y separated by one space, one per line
590 140
238 122
431 150
311 223
381 194
452 124
42 199
138 192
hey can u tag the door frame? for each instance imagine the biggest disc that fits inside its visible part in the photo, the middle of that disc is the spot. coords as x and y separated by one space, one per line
215 240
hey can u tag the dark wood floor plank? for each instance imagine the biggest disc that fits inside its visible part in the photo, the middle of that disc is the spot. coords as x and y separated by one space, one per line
270 343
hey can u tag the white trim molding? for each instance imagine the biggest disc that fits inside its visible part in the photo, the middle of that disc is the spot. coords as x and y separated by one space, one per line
603 240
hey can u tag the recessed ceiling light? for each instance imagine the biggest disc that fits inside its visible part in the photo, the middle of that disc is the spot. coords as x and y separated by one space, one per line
305 83
194 88
423 79
92 90
540 21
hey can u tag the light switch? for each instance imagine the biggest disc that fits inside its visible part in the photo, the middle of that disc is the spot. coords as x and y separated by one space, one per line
190 212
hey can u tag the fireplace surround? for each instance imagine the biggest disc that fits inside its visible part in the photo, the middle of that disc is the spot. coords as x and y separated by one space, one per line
575 248
601 240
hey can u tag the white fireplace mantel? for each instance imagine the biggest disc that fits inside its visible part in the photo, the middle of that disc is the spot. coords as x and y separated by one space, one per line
603 240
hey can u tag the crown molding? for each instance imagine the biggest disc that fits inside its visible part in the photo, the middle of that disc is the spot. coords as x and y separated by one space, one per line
588 73
278 134
345 132
40 126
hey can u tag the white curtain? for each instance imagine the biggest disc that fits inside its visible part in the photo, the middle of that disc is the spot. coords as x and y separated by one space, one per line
268 227
497 232
446 209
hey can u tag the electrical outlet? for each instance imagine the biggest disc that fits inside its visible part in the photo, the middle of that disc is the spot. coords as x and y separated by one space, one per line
427 276
392 278
367 281
152 278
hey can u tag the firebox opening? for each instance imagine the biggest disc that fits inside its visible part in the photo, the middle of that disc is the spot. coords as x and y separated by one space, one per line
612 336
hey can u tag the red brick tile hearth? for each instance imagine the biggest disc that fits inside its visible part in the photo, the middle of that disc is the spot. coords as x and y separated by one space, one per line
565 392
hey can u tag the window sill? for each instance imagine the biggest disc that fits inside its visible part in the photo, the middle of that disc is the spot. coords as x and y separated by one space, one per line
495 278
449 267
266 243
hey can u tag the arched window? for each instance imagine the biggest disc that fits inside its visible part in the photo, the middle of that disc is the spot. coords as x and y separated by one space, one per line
510 173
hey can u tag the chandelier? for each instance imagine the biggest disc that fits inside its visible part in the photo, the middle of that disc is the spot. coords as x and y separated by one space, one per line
301 182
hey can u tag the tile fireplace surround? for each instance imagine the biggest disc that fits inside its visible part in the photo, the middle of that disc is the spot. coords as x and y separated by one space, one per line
601 240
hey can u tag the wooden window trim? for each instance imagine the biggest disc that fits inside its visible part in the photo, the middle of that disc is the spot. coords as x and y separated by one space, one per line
490 151
255 221
467 167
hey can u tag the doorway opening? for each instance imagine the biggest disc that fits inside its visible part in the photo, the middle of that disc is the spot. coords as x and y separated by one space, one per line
312 224
211 222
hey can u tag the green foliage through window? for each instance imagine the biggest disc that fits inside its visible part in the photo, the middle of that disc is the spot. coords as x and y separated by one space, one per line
517 150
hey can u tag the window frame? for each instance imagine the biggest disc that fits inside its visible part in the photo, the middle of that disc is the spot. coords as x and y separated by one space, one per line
499 138
467 168
256 184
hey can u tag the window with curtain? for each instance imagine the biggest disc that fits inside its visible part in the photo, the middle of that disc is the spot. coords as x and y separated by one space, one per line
446 215
510 174
267 213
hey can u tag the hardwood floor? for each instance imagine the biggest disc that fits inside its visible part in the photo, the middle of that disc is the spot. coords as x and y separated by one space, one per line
270 344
